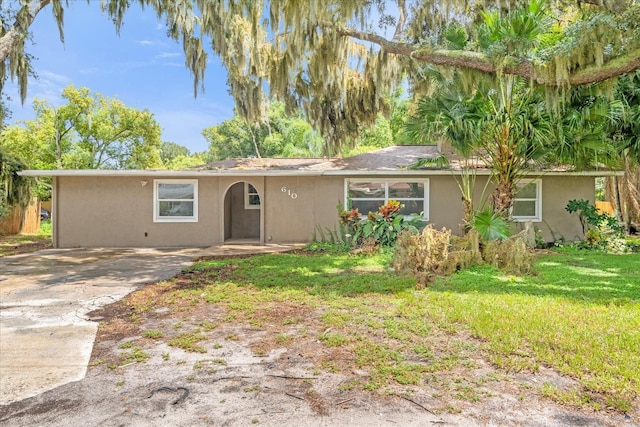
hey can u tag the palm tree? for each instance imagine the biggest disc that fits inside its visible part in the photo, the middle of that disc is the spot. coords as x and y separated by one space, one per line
503 122
508 122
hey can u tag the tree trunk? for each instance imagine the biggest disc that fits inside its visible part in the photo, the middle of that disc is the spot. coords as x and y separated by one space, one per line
502 198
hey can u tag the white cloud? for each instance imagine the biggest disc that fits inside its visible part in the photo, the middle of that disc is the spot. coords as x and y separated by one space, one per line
90 70
48 86
144 42
48 76
168 55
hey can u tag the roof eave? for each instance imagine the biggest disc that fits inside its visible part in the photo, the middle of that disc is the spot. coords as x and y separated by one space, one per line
164 173
293 172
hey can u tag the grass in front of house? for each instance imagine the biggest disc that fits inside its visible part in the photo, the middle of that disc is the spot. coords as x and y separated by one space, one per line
23 243
580 316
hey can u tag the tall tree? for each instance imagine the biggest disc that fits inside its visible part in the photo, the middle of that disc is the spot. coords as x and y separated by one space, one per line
330 59
171 150
500 119
14 189
88 132
280 135
624 131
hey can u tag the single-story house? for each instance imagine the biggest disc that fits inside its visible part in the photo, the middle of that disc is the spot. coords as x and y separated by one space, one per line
284 200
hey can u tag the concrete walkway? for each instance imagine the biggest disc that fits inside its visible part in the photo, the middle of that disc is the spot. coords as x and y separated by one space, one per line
45 337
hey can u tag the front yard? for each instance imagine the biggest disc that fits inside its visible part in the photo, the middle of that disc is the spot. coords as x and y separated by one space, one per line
571 333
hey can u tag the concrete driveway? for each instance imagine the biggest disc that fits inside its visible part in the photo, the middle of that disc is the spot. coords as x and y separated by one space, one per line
46 338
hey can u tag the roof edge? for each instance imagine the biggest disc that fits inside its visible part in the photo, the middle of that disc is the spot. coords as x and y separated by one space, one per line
285 172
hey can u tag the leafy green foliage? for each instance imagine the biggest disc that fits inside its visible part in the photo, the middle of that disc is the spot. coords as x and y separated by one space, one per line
90 131
14 189
601 230
589 215
282 135
318 56
490 225
382 227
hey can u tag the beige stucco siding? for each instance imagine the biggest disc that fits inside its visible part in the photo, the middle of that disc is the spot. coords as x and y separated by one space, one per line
556 192
118 211
445 202
293 206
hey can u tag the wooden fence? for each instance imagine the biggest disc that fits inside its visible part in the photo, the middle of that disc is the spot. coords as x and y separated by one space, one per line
605 207
22 221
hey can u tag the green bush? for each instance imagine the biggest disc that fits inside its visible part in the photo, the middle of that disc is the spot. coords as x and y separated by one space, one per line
382 227
601 230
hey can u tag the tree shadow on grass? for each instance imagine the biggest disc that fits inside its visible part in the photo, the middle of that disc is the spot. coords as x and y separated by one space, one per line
589 278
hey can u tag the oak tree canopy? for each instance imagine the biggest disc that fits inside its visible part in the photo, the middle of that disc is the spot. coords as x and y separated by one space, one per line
339 60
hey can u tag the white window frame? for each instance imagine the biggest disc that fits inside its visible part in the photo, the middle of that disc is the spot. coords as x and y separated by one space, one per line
156 201
424 181
248 194
538 202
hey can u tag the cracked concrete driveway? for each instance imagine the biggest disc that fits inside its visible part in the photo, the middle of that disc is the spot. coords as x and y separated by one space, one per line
45 336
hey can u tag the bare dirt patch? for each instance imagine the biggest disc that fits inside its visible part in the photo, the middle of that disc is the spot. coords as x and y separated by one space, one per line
163 360
17 245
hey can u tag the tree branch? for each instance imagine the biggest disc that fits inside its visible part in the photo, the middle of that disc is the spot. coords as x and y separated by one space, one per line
481 62
20 27
402 17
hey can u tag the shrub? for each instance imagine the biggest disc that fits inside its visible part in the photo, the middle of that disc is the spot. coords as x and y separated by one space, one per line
421 254
465 253
510 256
433 252
590 217
601 230
381 227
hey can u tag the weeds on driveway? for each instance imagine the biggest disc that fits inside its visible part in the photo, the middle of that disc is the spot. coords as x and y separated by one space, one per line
580 316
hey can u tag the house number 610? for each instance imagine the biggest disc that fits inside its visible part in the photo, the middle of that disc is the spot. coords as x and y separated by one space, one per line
292 194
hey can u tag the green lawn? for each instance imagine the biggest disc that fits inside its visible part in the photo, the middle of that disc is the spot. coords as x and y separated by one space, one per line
580 315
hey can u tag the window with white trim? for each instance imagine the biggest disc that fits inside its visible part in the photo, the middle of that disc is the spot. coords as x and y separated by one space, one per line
175 200
368 195
251 197
527 202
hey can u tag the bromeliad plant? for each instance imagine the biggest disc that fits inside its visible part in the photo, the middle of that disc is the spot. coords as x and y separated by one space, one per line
381 227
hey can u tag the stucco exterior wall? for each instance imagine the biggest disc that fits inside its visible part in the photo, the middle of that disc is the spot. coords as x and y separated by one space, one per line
118 211
556 192
294 206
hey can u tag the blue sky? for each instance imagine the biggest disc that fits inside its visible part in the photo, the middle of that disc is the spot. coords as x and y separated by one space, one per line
142 67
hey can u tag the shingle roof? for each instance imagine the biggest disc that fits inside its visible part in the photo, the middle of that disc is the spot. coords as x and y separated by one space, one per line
261 164
391 158
387 161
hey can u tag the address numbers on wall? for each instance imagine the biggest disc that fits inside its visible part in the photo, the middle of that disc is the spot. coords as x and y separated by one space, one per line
289 193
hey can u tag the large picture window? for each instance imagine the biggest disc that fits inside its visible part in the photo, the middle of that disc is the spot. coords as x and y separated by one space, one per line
175 200
369 195
527 203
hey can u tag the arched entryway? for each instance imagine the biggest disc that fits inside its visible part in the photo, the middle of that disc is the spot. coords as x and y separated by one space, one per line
242 214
